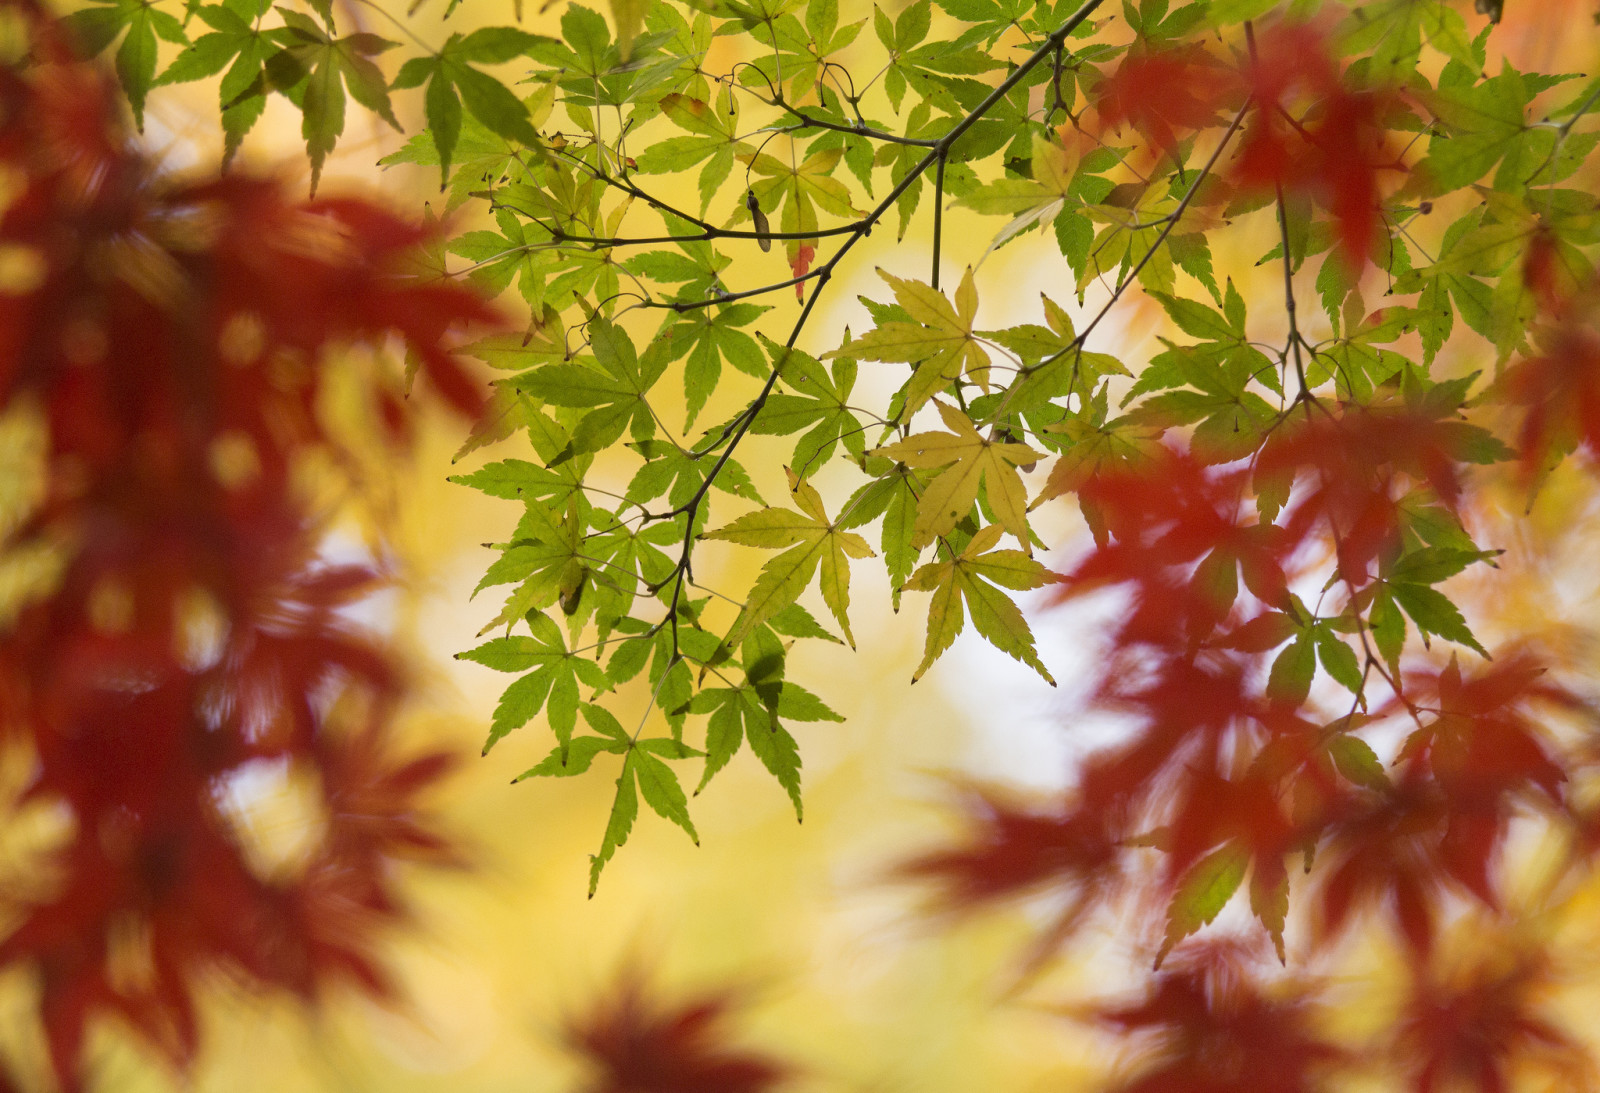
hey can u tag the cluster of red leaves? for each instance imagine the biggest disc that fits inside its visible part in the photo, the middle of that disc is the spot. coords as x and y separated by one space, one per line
1310 133
1354 465
1211 1022
1331 153
1227 770
1560 385
634 1044
173 337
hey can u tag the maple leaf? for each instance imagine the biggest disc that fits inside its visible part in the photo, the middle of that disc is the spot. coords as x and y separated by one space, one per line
314 69
820 402
813 540
1334 153
555 677
1030 201
1560 389
939 340
1010 849
453 81
970 459
1178 533
1357 455
754 712
966 578
635 1044
1484 1022
1484 753
615 388
1160 91
94 28
1206 1023
714 130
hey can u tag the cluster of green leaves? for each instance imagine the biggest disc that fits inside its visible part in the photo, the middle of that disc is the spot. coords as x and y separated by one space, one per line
267 49
637 298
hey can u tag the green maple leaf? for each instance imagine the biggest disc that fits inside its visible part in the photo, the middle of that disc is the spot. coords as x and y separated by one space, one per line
616 388
753 711
969 458
545 561
94 29
814 542
552 685
1029 202
818 408
714 129
1204 890
481 156
708 336
966 579
795 192
452 80
236 37
644 773
314 69
939 339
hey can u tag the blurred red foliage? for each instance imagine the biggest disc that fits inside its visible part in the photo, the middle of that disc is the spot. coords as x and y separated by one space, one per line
634 1044
1310 133
173 335
1207 1024
1229 769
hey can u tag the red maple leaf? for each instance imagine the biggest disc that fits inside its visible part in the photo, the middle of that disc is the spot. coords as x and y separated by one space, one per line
1177 532
1475 1024
1560 388
1162 91
635 1044
1010 850
1332 152
1207 1025
1356 462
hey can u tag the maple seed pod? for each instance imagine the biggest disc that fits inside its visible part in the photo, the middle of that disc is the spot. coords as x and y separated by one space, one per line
759 217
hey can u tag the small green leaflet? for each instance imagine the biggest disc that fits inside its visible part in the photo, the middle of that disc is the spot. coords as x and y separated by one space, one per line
1205 889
